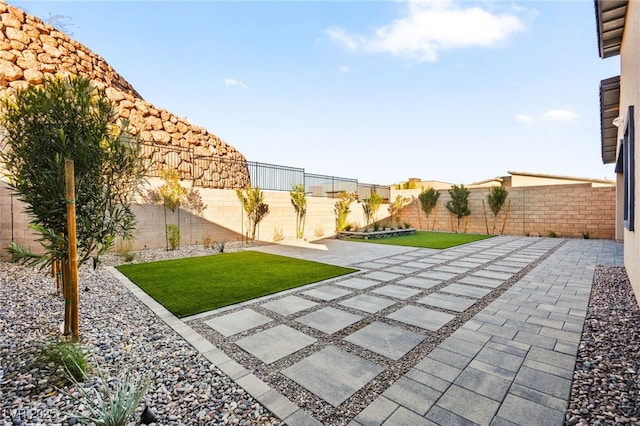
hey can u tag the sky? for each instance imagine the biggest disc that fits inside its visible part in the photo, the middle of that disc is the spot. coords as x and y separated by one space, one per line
379 91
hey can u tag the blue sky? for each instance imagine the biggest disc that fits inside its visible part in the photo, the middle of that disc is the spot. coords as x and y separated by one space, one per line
380 91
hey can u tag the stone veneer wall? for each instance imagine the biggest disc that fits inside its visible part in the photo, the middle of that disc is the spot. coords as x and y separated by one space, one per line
31 50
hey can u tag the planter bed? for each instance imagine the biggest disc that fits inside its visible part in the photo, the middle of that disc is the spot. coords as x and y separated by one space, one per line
376 234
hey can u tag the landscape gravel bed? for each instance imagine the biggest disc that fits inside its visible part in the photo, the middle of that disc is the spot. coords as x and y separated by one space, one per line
606 389
118 332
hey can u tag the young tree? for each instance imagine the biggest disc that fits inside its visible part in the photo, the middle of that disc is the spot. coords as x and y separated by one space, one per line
428 199
342 210
459 203
299 202
496 198
252 200
69 118
395 208
371 205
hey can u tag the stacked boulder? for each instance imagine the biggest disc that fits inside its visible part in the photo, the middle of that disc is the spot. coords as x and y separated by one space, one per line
31 51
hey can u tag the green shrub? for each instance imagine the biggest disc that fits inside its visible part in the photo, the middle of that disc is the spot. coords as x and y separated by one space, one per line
552 234
220 245
68 355
341 209
173 236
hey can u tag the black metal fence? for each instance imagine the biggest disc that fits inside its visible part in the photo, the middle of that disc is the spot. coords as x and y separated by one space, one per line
269 177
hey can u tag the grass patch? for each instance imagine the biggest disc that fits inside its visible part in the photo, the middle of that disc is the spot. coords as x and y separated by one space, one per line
427 239
198 284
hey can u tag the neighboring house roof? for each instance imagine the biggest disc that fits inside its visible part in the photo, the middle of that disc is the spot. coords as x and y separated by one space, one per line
610 17
561 177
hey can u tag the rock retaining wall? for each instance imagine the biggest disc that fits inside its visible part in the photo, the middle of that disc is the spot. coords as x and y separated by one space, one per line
31 51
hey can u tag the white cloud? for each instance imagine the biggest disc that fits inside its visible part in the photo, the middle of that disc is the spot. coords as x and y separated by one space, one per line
231 82
344 69
560 115
431 27
524 118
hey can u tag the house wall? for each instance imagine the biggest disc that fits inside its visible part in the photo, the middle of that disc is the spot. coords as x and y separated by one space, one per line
630 95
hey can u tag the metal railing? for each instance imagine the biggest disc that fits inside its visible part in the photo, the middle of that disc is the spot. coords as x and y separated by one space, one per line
270 177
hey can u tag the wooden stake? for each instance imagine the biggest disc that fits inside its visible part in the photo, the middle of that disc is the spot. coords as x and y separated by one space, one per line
506 215
72 251
484 210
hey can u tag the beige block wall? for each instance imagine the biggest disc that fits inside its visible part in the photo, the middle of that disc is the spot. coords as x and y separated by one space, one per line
630 95
567 210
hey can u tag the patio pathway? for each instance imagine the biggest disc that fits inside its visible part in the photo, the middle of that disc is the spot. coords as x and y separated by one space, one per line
486 333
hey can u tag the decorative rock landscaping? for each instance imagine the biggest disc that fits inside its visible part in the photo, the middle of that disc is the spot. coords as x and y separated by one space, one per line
370 235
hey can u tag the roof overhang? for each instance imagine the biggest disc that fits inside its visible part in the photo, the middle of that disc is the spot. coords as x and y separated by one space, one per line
610 17
609 111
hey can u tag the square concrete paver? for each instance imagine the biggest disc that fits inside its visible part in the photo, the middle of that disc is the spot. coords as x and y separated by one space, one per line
277 342
333 374
445 301
481 281
466 290
358 283
289 305
396 291
424 283
421 317
327 293
366 303
401 270
382 276
386 340
237 322
437 275
329 320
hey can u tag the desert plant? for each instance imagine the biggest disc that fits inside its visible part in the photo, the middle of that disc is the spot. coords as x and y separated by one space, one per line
124 247
277 234
252 200
496 198
428 200
46 124
376 226
112 402
586 235
552 234
396 207
69 356
220 245
458 205
173 236
342 210
319 231
299 202
407 225
207 241
371 205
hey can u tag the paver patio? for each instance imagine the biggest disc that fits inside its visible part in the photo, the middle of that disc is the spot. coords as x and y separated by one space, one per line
510 362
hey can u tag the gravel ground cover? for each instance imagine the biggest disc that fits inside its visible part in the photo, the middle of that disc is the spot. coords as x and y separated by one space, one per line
119 333
606 389
186 389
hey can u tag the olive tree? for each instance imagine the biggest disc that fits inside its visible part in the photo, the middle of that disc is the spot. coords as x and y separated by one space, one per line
69 118
370 206
299 202
428 200
252 200
459 203
496 198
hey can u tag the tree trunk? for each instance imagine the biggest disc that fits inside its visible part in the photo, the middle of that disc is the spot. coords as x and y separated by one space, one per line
72 253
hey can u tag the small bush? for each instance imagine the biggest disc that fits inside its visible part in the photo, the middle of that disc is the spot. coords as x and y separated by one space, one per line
407 225
207 241
173 235
552 234
123 248
347 227
376 226
277 234
585 235
319 231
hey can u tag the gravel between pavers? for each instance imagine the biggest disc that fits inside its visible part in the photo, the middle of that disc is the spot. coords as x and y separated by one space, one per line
186 389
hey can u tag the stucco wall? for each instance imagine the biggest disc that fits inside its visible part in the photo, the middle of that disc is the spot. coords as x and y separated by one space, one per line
630 95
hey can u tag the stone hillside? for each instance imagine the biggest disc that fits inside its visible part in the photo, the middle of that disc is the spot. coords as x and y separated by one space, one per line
31 50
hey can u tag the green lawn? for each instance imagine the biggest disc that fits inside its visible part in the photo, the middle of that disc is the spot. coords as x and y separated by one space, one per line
198 284
427 239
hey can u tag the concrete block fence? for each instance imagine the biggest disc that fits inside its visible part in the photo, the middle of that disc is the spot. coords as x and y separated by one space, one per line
567 210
